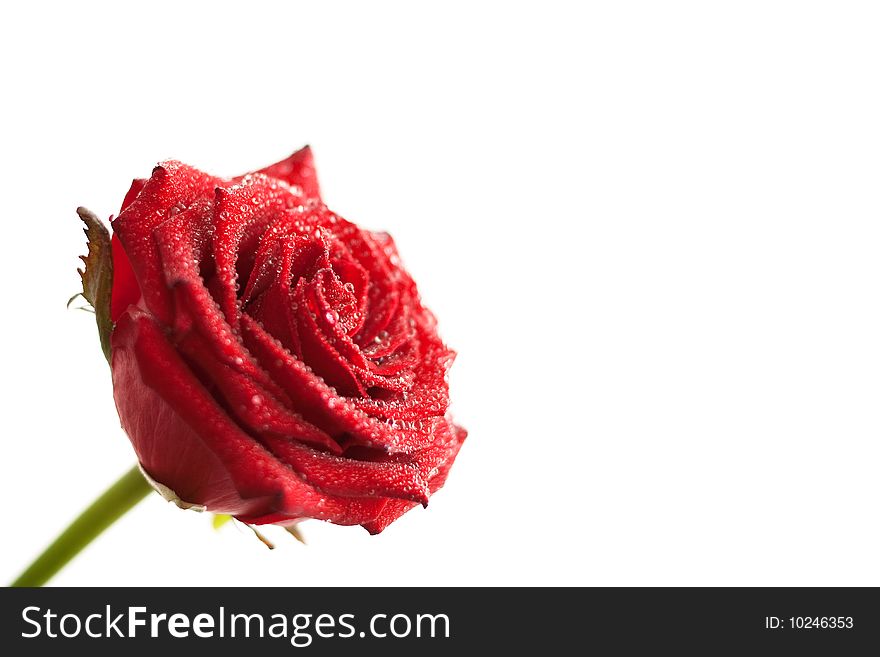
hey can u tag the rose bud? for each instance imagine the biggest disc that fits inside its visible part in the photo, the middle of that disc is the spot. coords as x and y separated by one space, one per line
271 360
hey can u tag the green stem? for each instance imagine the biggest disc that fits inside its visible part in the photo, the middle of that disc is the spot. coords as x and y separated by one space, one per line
130 489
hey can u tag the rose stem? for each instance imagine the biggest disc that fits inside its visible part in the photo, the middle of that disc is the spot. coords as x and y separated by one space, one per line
130 489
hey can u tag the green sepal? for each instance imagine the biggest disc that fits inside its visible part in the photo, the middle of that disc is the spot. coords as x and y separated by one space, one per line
97 276
294 531
220 519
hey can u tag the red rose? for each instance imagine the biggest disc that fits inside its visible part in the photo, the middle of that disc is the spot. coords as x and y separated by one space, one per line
270 359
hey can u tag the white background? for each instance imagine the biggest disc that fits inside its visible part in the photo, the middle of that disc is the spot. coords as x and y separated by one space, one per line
650 230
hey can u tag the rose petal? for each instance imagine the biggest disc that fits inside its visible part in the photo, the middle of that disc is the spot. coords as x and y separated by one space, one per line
317 402
136 186
320 354
125 290
178 242
261 485
253 406
298 170
439 465
349 477
242 212
172 187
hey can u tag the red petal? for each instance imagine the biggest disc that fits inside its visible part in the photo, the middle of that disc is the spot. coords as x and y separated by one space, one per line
179 241
254 407
136 186
319 353
144 361
297 170
242 213
439 464
172 186
428 397
349 477
317 402
126 290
